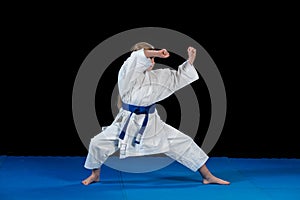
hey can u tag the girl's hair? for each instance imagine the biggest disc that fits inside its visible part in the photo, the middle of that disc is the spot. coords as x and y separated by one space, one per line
141 45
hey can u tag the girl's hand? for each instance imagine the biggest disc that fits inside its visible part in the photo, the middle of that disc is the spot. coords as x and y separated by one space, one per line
191 54
163 53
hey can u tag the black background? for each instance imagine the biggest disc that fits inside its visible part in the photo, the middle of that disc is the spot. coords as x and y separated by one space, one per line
255 54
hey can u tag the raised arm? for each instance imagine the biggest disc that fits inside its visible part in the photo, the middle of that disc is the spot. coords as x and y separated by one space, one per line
192 55
163 53
167 81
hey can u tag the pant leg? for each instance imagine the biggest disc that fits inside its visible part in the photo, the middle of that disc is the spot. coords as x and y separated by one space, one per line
184 150
102 146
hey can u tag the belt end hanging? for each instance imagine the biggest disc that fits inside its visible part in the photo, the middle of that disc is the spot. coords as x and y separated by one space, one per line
138 139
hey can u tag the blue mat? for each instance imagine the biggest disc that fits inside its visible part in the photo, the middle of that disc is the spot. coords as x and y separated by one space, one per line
60 178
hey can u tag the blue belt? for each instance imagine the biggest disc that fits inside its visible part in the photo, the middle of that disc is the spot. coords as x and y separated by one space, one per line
137 110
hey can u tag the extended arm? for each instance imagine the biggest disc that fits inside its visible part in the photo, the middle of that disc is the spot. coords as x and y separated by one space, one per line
168 81
163 53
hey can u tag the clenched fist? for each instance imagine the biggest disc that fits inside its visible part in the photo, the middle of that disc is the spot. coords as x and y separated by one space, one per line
191 54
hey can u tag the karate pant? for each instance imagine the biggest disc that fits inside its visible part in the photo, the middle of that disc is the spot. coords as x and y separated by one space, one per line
182 148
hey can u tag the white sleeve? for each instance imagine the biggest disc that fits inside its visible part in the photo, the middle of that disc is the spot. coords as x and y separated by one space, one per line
132 68
169 80
137 61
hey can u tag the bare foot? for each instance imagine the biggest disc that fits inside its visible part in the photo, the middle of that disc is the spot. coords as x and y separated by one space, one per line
91 179
215 180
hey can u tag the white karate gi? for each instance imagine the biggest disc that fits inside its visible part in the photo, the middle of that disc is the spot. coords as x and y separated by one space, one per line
143 88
